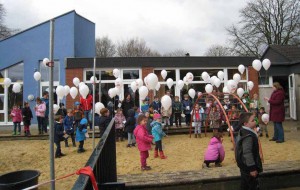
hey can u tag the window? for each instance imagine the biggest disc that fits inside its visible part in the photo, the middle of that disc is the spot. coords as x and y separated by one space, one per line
231 72
107 75
44 70
263 80
131 74
15 73
89 74
170 74
198 72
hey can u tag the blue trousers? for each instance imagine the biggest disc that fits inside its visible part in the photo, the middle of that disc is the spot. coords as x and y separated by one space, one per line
278 131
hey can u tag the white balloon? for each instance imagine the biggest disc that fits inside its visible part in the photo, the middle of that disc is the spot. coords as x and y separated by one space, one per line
116 73
225 89
157 87
76 81
189 77
67 90
47 89
207 79
240 92
237 77
256 64
16 88
152 81
180 84
84 90
60 92
204 76
231 85
241 68
94 80
112 92
145 82
118 83
266 64
139 82
81 84
98 107
265 118
133 86
250 85
166 102
30 97
192 93
186 82
170 83
55 108
73 92
118 91
212 80
217 82
143 92
208 88
221 75
46 61
37 76
7 82
163 74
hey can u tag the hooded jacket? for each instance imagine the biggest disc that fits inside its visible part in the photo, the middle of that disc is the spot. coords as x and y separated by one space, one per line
40 110
16 115
143 139
81 130
214 150
27 115
157 131
119 118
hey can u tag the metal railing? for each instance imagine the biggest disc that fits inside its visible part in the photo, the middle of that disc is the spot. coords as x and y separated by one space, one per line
103 162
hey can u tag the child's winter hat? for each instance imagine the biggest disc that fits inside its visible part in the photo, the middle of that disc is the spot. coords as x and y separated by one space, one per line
156 116
83 121
76 103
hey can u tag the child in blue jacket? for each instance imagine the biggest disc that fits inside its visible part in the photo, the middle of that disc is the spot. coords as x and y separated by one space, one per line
158 134
69 127
80 134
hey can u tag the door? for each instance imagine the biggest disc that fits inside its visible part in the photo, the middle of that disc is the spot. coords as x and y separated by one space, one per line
292 94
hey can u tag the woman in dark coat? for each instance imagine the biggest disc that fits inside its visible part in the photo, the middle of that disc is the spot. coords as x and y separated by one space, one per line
127 104
277 112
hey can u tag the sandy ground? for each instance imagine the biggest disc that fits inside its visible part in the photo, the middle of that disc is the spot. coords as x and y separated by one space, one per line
183 153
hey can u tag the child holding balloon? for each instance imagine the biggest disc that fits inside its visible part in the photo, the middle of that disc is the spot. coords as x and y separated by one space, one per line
262 125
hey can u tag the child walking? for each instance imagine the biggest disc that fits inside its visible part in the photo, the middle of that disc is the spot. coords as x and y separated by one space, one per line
215 152
143 140
16 115
177 109
197 120
119 124
214 117
58 135
69 127
80 134
158 134
130 126
27 116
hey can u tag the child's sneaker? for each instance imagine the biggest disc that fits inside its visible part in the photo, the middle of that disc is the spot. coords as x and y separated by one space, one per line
128 146
145 168
13 133
133 144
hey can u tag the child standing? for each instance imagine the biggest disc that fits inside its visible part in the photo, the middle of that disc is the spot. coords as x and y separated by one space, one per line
104 120
40 110
177 109
58 135
149 121
158 134
156 104
119 124
27 116
214 117
215 152
130 126
80 134
263 127
62 111
187 106
78 114
143 140
69 127
166 113
145 105
16 115
197 120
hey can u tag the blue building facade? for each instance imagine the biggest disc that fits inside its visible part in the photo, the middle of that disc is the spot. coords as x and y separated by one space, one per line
22 54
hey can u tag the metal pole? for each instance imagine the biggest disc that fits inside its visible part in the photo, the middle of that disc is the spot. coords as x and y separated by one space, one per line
51 127
94 85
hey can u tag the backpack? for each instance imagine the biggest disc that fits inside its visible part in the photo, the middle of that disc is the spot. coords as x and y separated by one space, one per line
239 151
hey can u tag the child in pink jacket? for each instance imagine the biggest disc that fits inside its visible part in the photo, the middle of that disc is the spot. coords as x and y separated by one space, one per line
16 115
215 151
143 140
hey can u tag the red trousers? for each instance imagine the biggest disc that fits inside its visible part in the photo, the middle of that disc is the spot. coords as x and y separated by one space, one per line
144 155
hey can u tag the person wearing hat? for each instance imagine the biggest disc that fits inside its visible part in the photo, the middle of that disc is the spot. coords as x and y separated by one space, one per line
158 134
80 134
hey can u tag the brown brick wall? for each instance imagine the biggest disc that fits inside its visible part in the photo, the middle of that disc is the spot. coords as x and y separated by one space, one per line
70 74
145 72
253 76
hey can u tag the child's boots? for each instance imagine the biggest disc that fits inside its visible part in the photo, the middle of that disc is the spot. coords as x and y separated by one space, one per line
155 153
73 142
66 144
161 154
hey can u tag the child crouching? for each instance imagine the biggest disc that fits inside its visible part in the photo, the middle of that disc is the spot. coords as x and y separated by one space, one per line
215 152
80 134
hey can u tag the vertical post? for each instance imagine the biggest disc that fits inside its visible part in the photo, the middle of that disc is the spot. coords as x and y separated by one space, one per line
51 127
94 85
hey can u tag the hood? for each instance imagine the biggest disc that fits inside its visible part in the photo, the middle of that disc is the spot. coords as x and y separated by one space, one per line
213 141
130 113
83 121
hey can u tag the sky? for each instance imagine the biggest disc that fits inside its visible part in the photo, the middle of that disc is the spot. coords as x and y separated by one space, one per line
165 25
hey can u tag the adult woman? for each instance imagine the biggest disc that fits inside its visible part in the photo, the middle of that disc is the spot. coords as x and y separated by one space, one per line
127 104
277 111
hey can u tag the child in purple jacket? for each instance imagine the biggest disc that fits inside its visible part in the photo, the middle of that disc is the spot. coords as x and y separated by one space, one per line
215 151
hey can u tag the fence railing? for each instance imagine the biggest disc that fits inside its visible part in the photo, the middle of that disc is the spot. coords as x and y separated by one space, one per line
103 162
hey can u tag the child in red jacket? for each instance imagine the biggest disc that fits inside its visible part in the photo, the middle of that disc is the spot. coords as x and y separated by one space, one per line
16 115
143 140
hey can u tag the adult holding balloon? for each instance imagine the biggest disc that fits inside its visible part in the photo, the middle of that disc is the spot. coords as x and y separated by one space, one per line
86 104
277 112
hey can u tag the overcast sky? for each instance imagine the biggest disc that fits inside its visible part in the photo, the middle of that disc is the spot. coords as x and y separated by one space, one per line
165 25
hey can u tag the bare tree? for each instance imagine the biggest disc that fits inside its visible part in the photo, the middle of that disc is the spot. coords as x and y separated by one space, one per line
176 53
105 47
218 50
4 31
265 22
135 48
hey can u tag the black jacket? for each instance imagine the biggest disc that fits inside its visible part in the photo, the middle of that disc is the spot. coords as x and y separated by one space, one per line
126 106
103 123
27 115
130 122
58 132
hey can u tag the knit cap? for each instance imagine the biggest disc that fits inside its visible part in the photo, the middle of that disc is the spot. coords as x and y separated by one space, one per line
156 116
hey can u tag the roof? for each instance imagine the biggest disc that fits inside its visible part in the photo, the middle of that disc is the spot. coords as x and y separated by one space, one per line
290 52
190 61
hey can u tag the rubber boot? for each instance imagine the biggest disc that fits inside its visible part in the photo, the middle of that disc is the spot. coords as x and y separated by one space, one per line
161 154
155 153
66 144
